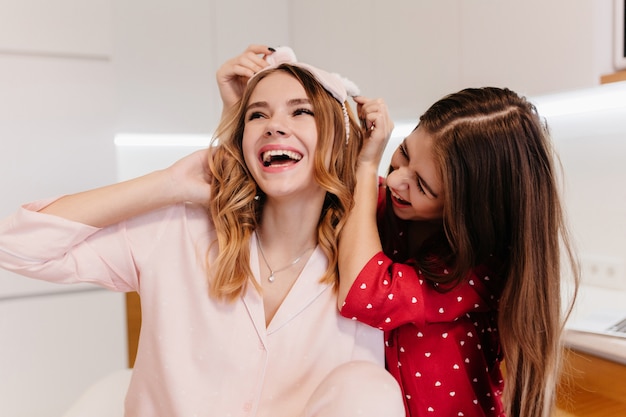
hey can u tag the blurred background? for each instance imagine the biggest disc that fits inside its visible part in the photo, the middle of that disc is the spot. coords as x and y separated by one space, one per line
76 73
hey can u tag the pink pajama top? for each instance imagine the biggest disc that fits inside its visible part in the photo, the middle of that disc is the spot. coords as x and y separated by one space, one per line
196 356
441 346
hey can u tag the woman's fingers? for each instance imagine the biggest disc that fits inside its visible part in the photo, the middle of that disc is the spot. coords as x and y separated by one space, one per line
374 114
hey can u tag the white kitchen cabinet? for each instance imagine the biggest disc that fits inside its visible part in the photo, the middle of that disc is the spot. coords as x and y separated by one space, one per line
413 52
61 28
52 347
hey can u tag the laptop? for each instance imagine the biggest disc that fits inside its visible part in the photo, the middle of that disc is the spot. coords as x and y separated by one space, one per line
602 322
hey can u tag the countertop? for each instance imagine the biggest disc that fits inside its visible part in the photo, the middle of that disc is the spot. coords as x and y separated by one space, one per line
590 300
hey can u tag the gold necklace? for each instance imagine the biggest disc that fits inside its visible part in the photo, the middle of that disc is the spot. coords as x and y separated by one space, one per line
273 272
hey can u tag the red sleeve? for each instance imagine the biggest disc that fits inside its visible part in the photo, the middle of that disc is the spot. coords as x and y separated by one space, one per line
387 295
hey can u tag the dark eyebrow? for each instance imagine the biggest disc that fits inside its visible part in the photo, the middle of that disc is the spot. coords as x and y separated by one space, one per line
298 101
423 183
258 104
292 102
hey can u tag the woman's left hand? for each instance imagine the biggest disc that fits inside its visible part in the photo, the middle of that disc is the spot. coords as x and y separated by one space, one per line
377 125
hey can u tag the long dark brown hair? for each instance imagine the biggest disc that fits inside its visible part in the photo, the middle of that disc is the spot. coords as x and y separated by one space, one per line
502 198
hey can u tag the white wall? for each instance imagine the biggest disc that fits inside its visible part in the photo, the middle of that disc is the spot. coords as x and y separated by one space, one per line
410 52
589 130
167 52
413 52
75 72
56 124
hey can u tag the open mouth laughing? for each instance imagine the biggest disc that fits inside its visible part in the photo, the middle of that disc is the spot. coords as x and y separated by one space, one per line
399 200
280 158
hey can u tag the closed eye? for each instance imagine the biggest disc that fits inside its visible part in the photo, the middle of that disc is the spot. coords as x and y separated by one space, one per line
418 180
419 185
403 151
301 111
255 115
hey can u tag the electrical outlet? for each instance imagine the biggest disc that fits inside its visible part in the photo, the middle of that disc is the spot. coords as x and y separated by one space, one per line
603 271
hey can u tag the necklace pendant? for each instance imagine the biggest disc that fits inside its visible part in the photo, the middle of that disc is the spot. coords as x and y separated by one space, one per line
271 278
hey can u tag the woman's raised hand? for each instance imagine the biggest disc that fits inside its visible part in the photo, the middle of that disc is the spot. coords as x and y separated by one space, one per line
377 125
234 74
190 178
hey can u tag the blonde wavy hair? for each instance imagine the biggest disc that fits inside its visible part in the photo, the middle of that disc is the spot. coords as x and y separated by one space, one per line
237 202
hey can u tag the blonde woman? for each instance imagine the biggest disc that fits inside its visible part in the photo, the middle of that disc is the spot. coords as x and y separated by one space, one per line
234 254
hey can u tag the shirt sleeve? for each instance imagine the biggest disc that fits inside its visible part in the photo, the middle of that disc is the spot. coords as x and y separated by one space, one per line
387 295
54 249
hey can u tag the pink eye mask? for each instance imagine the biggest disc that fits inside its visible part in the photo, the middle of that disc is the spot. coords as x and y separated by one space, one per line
339 87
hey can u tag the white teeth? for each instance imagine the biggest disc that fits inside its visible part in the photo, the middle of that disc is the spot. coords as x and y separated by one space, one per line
267 156
397 197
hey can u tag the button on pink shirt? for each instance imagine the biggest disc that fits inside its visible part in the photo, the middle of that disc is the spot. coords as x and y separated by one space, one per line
196 356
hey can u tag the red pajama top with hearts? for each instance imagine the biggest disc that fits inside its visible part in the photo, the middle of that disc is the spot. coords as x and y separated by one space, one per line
441 346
